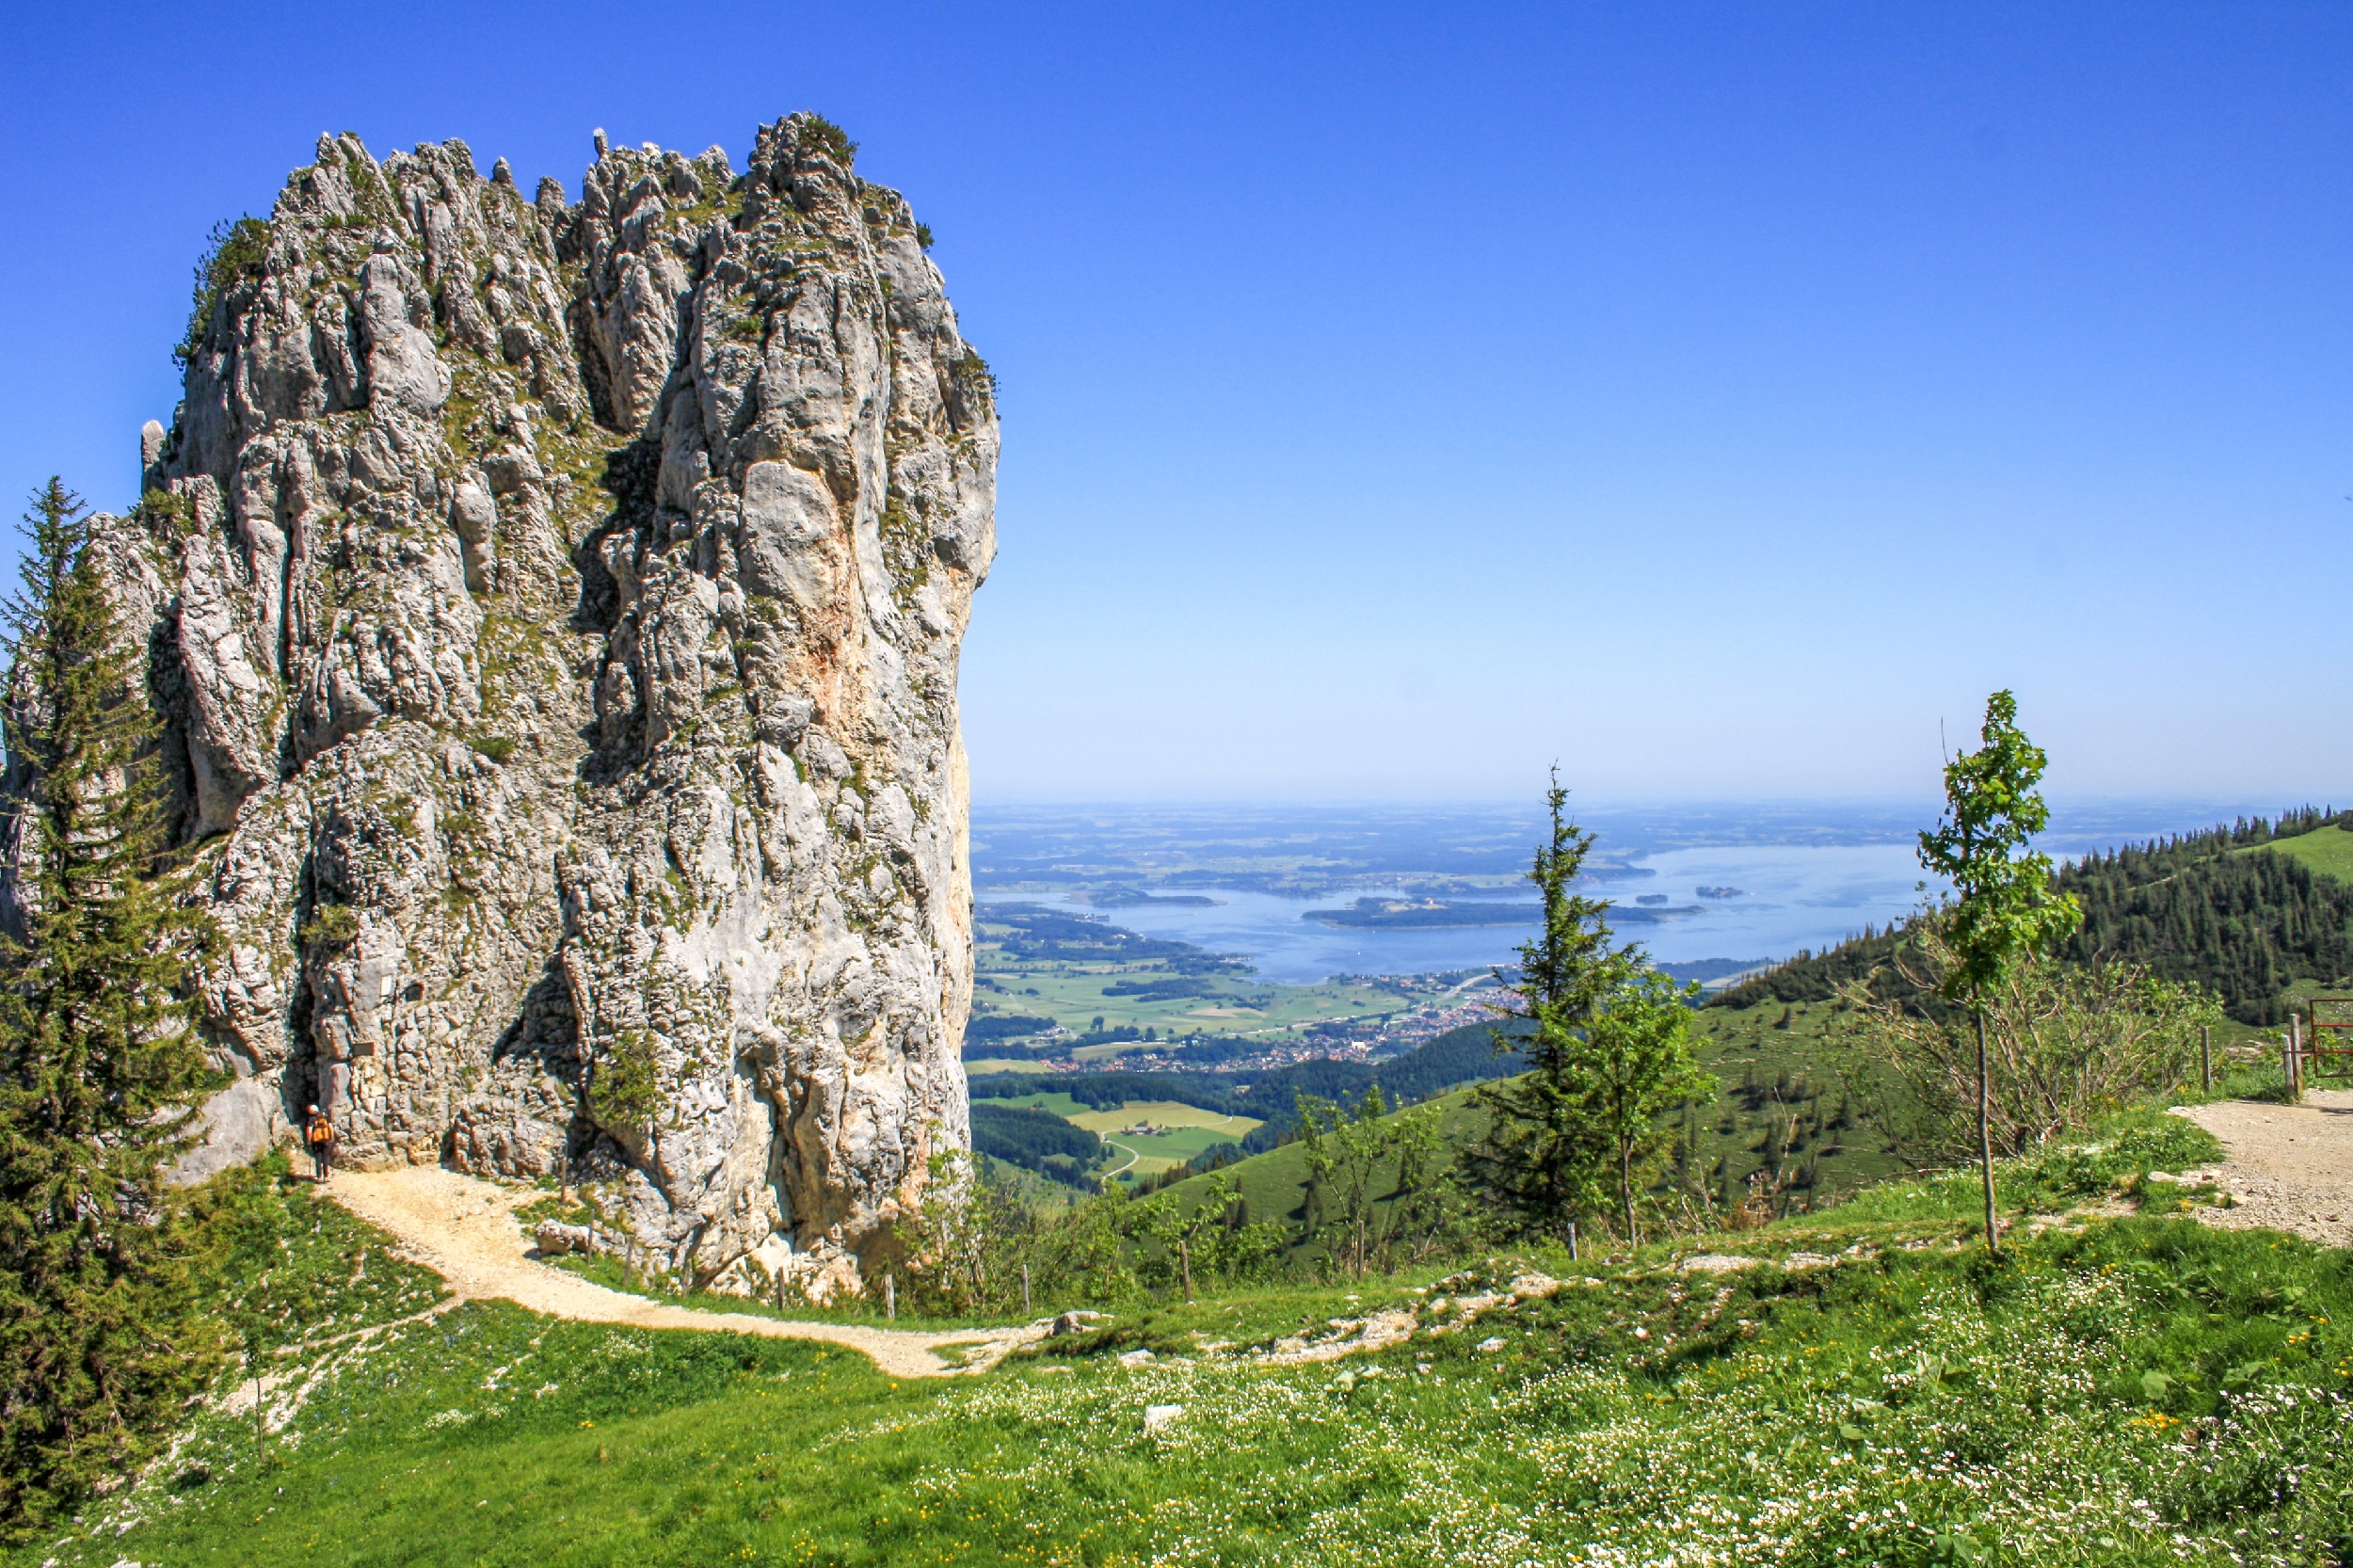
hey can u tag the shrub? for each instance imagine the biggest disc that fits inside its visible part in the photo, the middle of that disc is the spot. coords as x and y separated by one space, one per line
973 368
167 515
234 251
819 134
2067 1044
623 1087
330 925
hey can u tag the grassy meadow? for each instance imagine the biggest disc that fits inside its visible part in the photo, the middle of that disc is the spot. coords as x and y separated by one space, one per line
1273 1186
1181 1132
2129 1389
1850 1382
1785 1113
1788 1107
2326 850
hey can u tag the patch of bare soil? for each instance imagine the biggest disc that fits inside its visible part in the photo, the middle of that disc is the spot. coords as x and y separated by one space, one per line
2289 1167
465 1231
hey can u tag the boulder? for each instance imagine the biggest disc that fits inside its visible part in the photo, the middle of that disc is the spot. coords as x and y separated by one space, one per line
556 1239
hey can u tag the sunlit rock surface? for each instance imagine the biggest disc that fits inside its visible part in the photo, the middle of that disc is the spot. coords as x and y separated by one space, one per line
554 608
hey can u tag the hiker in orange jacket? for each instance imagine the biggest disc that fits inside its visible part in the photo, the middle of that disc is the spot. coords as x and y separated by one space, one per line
319 1134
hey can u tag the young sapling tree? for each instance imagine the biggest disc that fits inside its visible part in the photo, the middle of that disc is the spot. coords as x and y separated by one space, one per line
1637 1066
2003 907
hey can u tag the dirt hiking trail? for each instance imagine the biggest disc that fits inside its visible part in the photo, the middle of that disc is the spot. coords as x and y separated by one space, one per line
465 1231
2287 1167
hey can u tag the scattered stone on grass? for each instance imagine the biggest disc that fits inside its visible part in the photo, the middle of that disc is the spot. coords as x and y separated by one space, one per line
1716 1263
1533 1287
1376 1333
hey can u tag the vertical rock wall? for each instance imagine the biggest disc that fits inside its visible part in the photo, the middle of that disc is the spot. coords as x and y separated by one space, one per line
555 609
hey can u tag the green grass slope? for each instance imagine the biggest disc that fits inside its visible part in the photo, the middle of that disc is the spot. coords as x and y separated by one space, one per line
2123 1391
1784 1112
2326 850
1273 1186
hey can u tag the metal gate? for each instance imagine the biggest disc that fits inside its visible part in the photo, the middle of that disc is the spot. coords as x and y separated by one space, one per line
2320 1042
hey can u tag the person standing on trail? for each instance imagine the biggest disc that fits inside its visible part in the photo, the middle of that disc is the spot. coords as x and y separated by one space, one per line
319 1133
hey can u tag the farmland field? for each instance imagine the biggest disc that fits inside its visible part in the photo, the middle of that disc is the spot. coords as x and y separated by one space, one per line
1185 1131
1060 1105
993 1065
1160 1152
1166 1114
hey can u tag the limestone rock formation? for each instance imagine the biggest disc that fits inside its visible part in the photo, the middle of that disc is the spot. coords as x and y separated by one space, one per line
555 612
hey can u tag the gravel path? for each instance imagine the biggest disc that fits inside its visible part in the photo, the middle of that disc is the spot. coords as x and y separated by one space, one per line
465 1231
2289 1167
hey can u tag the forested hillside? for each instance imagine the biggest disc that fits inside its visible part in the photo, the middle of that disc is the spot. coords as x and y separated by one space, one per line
1035 1139
2228 909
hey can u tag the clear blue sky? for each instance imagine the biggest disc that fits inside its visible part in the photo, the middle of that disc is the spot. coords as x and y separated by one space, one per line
1396 399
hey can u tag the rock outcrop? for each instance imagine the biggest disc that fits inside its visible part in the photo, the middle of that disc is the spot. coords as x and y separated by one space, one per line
554 610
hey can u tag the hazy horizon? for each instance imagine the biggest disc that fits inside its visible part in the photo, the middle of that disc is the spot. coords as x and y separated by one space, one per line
2077 826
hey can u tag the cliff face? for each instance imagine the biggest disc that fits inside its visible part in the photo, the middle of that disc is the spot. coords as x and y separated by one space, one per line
554 610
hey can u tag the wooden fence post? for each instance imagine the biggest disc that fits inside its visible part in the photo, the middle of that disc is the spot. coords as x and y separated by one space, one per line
2205 1056
891 1297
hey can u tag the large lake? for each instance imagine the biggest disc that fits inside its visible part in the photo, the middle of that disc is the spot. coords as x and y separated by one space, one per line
1808 875
1791 897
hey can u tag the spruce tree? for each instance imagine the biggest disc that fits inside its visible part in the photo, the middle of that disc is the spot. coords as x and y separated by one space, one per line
1544 1158
99 1342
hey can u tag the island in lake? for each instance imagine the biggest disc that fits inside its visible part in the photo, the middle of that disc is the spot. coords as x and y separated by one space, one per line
1431 914
1130 898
